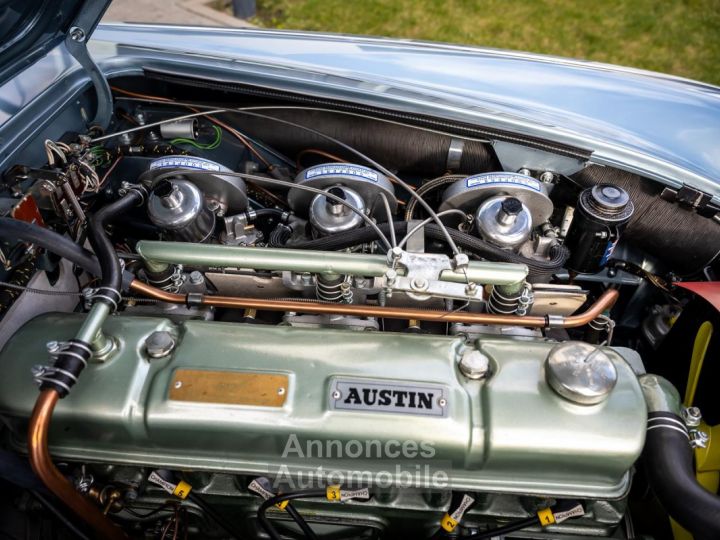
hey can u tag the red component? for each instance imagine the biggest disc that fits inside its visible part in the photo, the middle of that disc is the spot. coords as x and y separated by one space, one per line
707 290
27 210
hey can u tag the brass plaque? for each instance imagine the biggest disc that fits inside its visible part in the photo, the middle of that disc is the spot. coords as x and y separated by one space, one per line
229 387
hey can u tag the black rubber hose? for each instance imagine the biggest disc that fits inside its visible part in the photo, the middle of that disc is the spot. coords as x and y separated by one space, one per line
261 513
14 230
558 254
669 467
307 531
262 213
214 515
505 529
280 235
110 269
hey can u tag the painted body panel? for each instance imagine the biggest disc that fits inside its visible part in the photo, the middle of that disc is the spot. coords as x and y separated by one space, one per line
663 127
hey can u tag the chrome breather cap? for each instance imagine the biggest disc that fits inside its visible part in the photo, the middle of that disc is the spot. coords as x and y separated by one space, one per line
504 221
580 372
607 202
328 216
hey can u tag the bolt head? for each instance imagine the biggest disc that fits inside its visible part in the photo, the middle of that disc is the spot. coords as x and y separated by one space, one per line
474 364
547 177
77 34
52 346
461 261
196 278
159 344
419 284
692 416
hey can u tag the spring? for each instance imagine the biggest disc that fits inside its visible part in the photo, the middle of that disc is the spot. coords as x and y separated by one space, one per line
517 304
603 323
501 304
334 289
170 279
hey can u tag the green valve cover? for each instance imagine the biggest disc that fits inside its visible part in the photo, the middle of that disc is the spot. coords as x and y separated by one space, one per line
275 400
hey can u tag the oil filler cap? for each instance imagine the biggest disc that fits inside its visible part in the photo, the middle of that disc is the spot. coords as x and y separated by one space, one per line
580 372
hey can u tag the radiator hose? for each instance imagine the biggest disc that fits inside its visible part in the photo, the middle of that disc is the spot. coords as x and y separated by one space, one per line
57 380
111 272
668 459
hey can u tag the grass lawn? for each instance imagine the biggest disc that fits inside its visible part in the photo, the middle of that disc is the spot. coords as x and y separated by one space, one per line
681 37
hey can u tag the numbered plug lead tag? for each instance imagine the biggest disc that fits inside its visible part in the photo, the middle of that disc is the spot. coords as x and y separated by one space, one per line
451 520
181 489
335 493
548 517
261 486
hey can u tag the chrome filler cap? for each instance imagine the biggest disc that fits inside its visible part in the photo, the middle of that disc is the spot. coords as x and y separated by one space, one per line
580 372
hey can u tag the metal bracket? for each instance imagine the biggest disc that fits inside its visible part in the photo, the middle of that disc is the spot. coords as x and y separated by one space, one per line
422 279
76 44
690 197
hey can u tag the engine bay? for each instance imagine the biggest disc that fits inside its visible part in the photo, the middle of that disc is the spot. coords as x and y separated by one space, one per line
233 300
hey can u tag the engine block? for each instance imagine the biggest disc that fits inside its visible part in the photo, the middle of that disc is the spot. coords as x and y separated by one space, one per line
268 400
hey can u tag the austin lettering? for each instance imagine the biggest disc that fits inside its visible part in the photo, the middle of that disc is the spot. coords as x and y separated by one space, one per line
410 399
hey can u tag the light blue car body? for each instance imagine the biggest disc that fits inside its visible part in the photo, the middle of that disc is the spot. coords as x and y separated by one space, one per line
662 127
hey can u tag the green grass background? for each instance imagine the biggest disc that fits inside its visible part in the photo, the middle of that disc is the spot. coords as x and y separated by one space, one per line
681 37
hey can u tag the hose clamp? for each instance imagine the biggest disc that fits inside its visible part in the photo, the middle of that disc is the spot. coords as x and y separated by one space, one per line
127 187
70 358
110 296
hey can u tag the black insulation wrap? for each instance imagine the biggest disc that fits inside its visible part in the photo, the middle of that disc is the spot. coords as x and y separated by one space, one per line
537 268
669 467
397 147
684 239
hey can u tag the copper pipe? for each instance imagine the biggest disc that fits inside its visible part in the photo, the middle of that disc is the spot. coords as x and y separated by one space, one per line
54 480
606 301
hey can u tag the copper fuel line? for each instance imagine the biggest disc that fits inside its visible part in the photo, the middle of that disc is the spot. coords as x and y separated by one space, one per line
604 302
